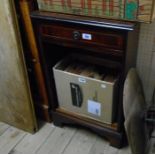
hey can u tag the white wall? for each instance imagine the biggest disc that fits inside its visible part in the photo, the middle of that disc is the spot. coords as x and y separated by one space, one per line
146 58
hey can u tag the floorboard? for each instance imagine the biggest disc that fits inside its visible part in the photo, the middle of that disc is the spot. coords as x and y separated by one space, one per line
15 152
125 150
81 143
54 140
57 141
3 128
99 146
9 139
110 150
31 143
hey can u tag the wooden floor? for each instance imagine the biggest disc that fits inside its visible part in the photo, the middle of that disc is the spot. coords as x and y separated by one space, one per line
51 139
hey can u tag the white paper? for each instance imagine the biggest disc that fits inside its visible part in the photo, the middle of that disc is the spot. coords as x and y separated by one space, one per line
94 107
103 86
86 36
82 80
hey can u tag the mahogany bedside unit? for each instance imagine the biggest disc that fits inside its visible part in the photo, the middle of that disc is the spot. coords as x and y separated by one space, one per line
112 44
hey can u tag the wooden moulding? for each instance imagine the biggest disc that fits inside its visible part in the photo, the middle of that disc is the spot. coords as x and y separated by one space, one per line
116 139
43 107
112 126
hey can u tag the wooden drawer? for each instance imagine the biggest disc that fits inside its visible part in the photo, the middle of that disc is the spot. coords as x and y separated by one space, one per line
86 37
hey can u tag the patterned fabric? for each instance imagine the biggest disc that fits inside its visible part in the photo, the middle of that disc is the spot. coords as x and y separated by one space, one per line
120 9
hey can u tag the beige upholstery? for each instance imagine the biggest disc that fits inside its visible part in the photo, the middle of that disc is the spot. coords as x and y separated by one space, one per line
132 89
134 106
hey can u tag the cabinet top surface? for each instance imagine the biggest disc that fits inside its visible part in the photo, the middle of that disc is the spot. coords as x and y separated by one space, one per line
74 19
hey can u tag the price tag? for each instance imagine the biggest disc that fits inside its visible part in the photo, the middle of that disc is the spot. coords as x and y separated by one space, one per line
86 36
82 80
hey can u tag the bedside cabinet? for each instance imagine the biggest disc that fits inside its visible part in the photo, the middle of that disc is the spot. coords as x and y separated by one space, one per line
104 43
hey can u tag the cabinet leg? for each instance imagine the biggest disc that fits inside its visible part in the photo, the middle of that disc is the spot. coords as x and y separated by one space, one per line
118 142
116 139
58 123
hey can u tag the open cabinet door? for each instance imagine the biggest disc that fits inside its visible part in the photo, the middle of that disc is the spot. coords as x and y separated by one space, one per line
16 107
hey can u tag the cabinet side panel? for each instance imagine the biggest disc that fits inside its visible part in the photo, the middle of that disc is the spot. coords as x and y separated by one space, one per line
131 51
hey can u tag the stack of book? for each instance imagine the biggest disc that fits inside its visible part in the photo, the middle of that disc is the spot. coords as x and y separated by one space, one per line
137 10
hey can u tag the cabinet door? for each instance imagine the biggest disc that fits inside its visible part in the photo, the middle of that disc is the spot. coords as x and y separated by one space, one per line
16 107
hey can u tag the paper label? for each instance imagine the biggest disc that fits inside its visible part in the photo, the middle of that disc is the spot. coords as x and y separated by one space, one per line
86 36
103 86
94 107
82 80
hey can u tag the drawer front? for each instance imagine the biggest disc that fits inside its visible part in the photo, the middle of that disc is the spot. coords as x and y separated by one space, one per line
106 39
